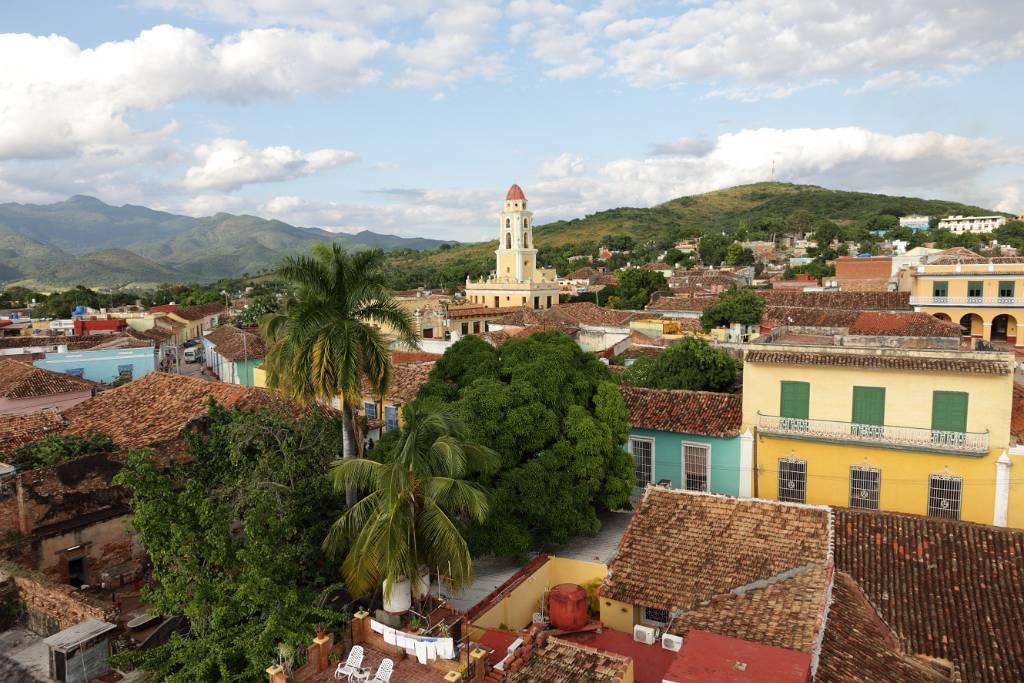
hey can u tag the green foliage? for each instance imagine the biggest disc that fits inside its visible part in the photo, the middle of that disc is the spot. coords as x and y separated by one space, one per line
817 268
416 495
234 537
557 421
635 287
469 359
691 363
61 304
713 249
57 448
257 308
734 306
18 297
736 255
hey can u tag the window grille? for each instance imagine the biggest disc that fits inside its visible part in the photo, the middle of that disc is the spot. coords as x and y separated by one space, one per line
792 480
75 372
391 418
370 409
696 466
944 496
656 616
126 370
865 485
643 457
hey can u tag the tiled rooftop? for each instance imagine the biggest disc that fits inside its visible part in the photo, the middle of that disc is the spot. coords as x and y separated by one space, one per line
406 380
236 344
23 380
687 412
650 662
684 548
582 313
864 301
947 589
696 302
18 430
200 311
908 324
858 646
561 660
971 366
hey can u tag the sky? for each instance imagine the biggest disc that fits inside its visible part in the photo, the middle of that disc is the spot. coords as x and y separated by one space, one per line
413 117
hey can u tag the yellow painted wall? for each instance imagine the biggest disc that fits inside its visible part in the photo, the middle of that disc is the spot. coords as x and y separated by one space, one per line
618 616
982 325
259 378
516 609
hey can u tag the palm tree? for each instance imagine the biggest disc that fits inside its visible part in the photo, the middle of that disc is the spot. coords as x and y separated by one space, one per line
325 338
415 500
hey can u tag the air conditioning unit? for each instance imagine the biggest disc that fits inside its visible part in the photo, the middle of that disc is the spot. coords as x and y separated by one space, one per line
539 618
645 634
671 642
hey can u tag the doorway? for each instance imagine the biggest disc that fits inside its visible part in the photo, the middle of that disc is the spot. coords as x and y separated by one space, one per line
76 572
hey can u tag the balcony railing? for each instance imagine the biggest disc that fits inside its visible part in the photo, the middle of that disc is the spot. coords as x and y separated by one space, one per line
883 436
966 301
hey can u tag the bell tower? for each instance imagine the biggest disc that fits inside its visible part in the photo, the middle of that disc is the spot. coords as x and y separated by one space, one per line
516 256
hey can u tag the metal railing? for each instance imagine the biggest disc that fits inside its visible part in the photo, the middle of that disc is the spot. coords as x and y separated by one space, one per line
966 301
886 436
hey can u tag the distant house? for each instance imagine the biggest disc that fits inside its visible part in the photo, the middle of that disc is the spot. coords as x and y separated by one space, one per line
25 388
383 413
196 320
233 354
84 327
688 439
103 365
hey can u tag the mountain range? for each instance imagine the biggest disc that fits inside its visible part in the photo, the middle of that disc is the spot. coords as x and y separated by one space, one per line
84 241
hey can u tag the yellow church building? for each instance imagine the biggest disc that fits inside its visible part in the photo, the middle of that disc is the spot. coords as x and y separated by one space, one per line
516 280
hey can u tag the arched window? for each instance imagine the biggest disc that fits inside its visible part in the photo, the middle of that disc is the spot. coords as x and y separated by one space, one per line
526 240
508 223
508 240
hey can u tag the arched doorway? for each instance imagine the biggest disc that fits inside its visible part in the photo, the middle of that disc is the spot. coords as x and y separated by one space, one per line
1004 328
971 325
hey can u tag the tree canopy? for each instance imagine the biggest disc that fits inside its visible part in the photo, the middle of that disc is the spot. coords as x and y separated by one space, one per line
712 249
691 363
634 289
234 539
734 306
57 448
555 417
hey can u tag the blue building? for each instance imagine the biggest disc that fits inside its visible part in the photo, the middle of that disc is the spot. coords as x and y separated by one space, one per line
689 440
102 365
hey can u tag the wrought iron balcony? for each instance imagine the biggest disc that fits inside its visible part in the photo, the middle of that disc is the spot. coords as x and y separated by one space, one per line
1011 301
881 436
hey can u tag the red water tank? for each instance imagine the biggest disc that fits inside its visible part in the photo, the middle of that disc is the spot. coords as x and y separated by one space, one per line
567 607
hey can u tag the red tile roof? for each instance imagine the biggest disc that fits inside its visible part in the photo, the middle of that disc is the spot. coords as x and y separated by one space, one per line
514 192
23 380
561 660
406 380
880 301
650 662
236 344
200 311
909 324
683 548
471 312
891 362
18 430
859 646
947 589
164 308
686 412
695 302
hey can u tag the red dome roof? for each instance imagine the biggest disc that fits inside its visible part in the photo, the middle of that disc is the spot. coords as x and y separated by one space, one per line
515 192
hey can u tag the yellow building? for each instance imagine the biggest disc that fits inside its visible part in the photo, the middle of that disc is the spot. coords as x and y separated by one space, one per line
889 427
985 299
516 280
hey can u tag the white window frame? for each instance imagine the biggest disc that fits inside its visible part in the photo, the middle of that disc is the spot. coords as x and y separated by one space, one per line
366 410
938 509
857 501
654 622
647 440
793 461
707 465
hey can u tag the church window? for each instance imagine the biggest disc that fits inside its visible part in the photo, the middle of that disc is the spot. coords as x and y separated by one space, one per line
508 223
526 240
508 240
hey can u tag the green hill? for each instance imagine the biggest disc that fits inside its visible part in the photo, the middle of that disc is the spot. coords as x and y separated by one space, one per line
726 210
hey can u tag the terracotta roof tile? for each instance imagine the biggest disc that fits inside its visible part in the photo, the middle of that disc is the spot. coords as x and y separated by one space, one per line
891 362
800 316
406 380
18 430
879 301
909 324
948 589
23 380
582 313
561 660
683 548
695 302
200 311
236 344
687 412
858 646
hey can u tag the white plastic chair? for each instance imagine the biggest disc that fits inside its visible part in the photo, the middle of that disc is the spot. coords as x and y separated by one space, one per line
384 671
352 664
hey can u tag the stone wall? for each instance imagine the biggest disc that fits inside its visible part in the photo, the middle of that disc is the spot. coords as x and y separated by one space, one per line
50 607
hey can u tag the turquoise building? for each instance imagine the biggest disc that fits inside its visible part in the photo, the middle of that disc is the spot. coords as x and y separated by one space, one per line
688 440
103 365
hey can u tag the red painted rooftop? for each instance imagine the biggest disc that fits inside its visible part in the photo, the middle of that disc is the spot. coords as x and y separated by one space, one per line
650 662
711 657
515 192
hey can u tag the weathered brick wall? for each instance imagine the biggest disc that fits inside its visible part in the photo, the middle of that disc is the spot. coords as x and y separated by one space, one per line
109 547
50 608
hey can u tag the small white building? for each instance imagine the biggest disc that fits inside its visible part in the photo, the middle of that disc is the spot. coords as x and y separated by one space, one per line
974 224
915 222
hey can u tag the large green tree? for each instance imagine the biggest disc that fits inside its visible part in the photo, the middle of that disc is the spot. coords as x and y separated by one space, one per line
325 337
234 539
712 249
733 306
555 417
690 363
634 289
416 495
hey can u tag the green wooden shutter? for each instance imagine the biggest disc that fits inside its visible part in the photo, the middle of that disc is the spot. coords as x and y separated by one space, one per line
795 399
869 405
940 289
1006 289
975 288
949 411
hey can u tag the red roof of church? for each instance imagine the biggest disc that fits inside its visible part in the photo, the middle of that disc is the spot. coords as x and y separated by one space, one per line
515 192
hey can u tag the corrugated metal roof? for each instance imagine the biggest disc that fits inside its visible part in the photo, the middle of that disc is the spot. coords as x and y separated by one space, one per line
82 632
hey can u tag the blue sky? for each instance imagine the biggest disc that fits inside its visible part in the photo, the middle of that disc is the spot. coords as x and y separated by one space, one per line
414 116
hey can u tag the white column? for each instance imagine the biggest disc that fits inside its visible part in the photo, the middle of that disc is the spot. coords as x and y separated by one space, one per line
1002 506
746 463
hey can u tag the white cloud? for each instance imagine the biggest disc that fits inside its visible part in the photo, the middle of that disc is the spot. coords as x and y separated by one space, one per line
60 100
228 164
209 204
451 53
562 166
